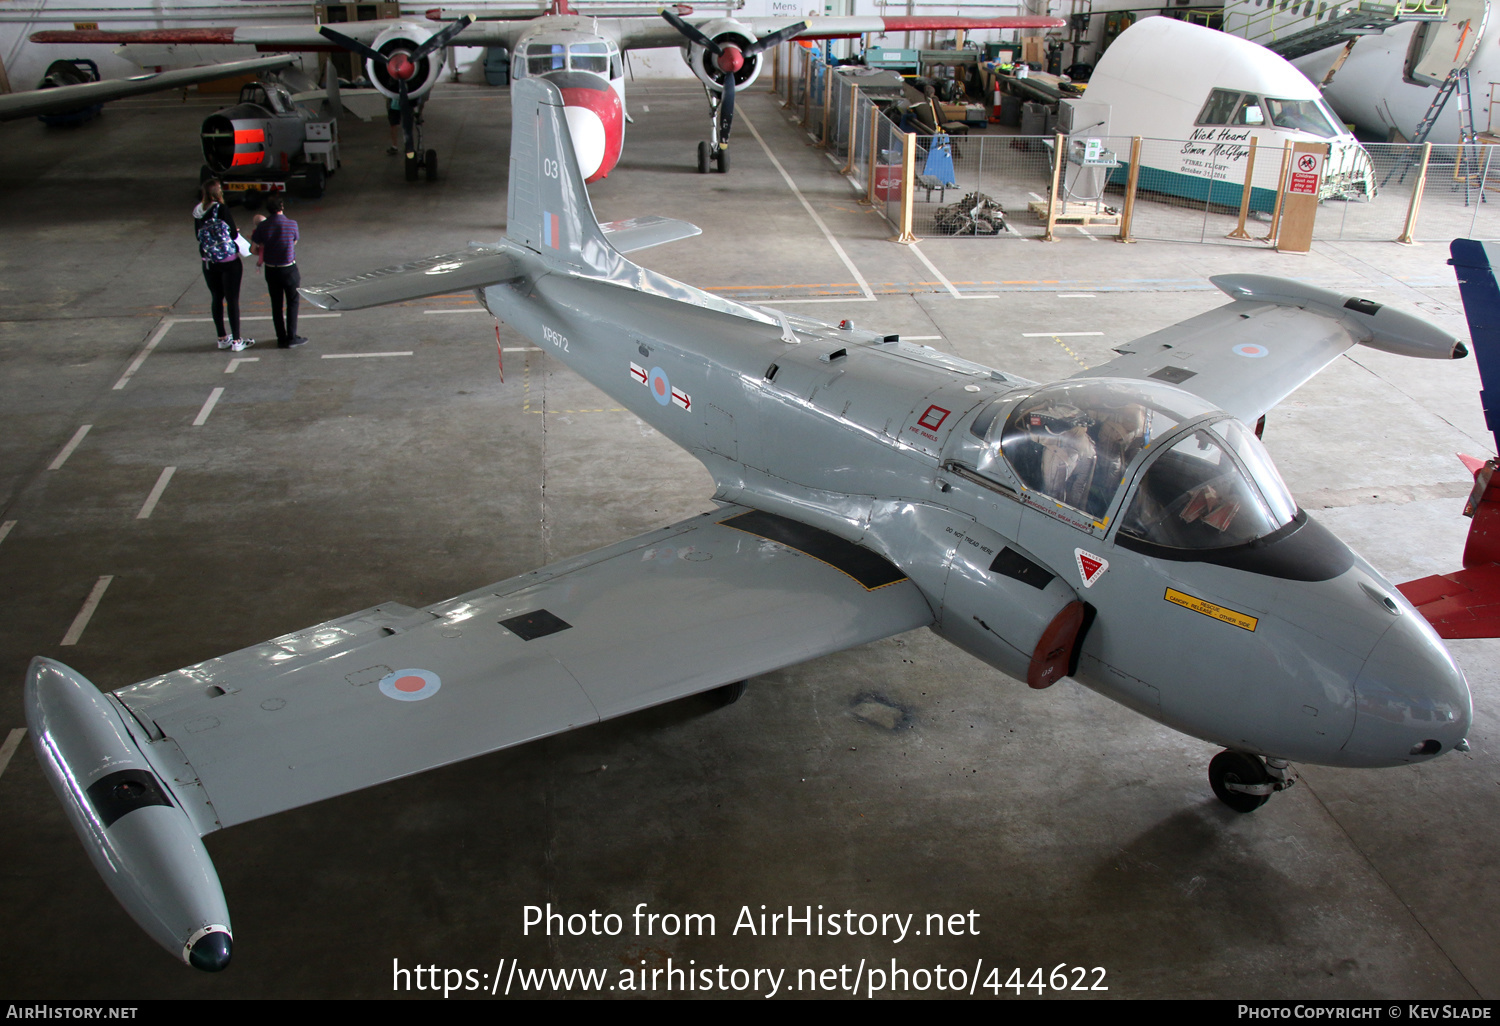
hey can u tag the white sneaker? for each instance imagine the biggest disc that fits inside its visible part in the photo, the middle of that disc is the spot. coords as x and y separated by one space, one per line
225 342
239 345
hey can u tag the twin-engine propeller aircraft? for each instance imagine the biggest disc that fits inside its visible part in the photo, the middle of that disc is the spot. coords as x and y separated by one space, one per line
1123 527
578 52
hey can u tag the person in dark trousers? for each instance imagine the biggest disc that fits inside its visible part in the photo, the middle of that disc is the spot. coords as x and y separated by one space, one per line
275 239
219 247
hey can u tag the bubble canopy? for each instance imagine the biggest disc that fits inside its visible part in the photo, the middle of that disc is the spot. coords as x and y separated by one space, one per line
1211 487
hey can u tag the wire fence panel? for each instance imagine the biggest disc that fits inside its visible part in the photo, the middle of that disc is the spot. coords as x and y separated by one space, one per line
1460 195
1013 171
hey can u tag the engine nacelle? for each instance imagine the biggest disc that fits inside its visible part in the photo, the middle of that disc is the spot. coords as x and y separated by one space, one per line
725 32
404 40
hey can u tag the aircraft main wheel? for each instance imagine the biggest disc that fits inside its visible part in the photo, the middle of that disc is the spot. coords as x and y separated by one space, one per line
722 159
412 167
429 165
728 694
703 157
1238 768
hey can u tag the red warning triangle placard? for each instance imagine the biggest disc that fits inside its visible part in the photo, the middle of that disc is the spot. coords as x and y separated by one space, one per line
1090 566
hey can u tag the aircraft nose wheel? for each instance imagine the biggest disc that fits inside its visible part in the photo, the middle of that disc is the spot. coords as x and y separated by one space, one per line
1245 782
704 156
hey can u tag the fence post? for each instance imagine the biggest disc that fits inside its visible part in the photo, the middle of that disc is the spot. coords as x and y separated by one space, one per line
908 182
776 70
1059 156
874 155
1286 163
807 90
1416 197
827 102
853 128
791 77
1239 229
1130 183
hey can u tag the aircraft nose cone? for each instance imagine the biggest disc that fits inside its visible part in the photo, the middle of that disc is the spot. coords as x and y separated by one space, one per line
400 66
731 60
1411 698
211 952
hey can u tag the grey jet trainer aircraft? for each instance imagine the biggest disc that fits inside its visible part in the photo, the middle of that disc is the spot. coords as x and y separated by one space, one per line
1123 527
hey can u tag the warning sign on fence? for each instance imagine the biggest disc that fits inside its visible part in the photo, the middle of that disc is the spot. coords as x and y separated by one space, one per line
1307 169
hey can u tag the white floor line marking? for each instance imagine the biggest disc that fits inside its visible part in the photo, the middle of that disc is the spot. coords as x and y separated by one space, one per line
208 407
234 364
941 277
67 450
140 358
477 309
864 286
9 746
86 613
5 528
1085 231
842 299
1034 196
1057 334
357 356
156 490
1075 295
523 349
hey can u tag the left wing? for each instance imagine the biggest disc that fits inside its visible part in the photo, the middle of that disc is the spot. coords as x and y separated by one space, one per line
392 691
66 98
1248 355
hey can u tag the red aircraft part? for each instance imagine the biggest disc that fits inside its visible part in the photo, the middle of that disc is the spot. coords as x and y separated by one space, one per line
1054 650
605 105
1466 603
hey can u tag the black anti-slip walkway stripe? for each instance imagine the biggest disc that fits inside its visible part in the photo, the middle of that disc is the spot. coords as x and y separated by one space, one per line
864 566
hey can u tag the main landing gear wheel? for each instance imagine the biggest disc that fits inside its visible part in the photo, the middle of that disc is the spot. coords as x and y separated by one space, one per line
728 694
1242 781
704 157
429 165
413 165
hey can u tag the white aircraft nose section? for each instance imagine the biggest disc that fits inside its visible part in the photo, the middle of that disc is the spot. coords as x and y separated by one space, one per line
588 138
1413 702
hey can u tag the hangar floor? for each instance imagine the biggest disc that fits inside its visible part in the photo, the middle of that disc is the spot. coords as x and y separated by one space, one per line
902 777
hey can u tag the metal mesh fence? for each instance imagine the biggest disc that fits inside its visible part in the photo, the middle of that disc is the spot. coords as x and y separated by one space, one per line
1187 190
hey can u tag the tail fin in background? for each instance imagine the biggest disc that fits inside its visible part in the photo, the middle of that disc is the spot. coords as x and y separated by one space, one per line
1466 603
548 208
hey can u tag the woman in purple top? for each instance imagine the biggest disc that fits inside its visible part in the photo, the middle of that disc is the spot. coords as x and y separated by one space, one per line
219 247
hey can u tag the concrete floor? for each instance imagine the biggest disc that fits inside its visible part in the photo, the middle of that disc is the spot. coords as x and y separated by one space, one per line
902 777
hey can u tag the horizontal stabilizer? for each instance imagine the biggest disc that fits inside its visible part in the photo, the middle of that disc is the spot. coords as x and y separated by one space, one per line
472 268
1463 604
645 232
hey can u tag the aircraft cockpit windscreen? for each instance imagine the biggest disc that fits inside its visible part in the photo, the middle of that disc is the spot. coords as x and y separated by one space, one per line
1213 489
589 57
544 57
1311 116
1231 107
1073 441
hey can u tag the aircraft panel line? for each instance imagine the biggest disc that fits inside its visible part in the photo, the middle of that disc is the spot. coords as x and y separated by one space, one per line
67 450
864 286
155 495
208 407
9 745
86 613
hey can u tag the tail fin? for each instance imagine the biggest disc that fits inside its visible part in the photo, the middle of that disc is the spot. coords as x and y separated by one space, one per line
549 210
1466 603
1476 284
331 80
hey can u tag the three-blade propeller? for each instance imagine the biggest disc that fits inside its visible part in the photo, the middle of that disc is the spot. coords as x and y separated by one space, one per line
401 66
729 59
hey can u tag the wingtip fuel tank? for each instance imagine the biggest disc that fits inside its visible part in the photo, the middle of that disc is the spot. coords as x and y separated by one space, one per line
132 825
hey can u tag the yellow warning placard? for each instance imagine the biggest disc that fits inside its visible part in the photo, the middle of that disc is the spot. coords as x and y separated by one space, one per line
1207 608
